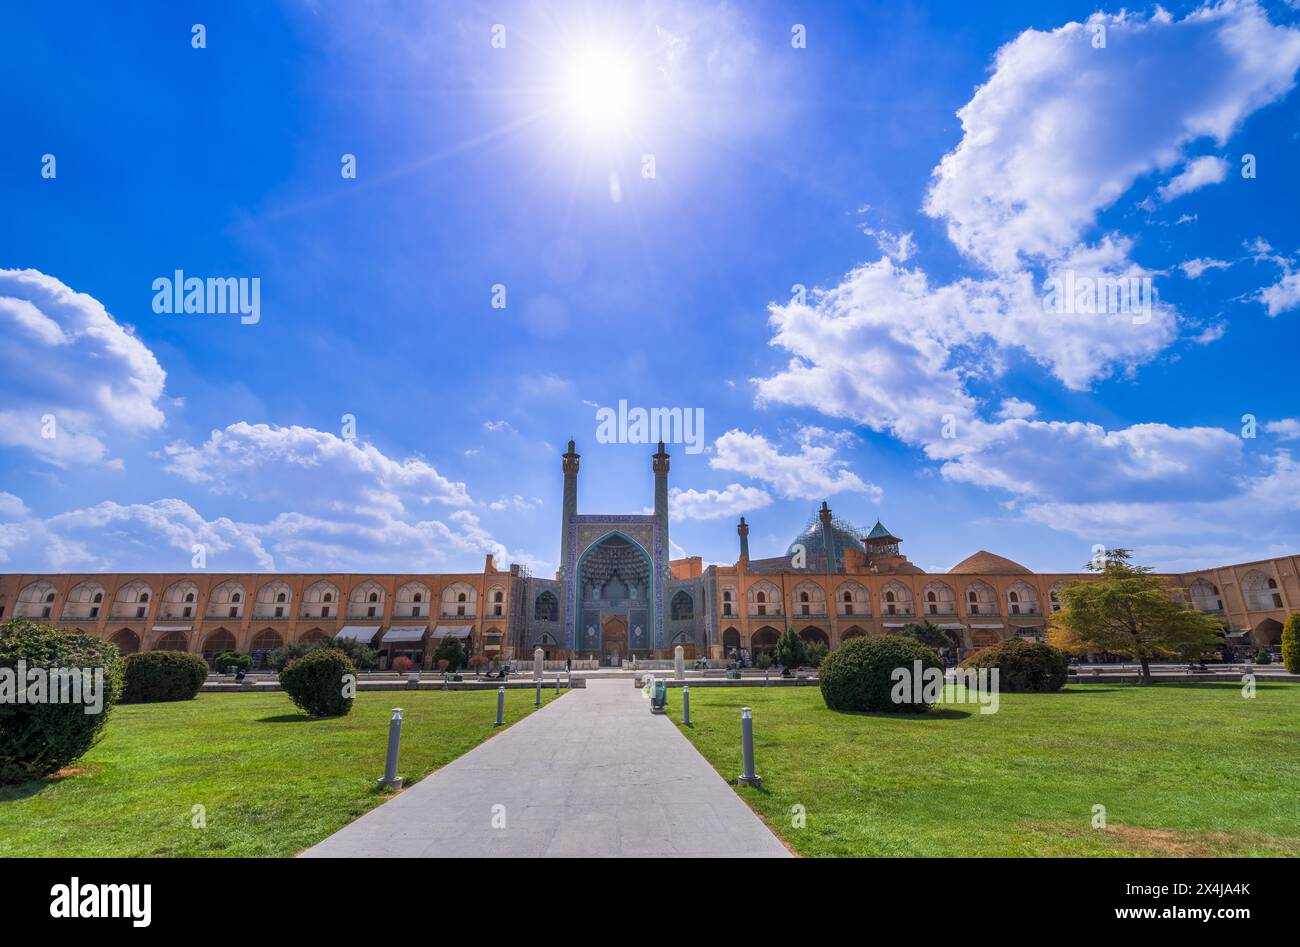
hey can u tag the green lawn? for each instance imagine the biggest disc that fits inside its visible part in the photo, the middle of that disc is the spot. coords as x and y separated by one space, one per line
272 781
1190 769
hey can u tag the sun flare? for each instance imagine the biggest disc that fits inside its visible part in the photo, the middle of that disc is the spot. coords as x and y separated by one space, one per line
598 91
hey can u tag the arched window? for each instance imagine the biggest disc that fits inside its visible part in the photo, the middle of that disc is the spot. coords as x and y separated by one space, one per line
131 600
411 598
546 607
1022 599
854 599
83 601
273 600
127 641
178 600
980 599
217 644
173 641
366 600
682 607
1205 596
1260 591
318 600
267 640
764 599
897 599
224 600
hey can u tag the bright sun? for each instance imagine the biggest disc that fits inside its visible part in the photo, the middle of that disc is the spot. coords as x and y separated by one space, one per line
598 91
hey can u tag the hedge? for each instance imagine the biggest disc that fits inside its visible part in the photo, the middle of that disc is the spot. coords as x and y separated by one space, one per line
1023 666
37 739
860 676
159 676
316 682
1291 643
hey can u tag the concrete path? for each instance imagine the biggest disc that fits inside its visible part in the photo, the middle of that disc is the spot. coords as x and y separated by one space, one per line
593 774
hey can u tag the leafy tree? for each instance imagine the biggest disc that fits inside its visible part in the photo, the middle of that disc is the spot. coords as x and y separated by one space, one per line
1128 611
1291 643
817 652
452 650
228 659
362 656
928 633
791 652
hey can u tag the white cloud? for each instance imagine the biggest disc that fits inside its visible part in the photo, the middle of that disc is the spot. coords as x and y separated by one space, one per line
1197 173
516 502
1286 429
499 427
65 355
1059 133
11 507
299 465
160 536
1062 130
1016 408
1282 296
732 500
814 472
1193 269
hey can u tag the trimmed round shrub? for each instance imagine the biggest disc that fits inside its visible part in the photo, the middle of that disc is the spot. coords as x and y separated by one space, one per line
1023 666
37 739
1291 643
158 676
862 675
315 682
229 659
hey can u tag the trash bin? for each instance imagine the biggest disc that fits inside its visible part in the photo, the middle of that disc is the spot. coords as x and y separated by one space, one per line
659 699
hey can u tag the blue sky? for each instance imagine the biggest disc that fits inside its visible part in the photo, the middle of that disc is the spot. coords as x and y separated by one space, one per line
922 169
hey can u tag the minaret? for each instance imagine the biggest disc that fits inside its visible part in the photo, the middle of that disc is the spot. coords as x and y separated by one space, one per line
743 530
828 536
570 504
661 493
660 467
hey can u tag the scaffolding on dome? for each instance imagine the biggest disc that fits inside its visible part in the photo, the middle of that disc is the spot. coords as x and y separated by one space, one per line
813 538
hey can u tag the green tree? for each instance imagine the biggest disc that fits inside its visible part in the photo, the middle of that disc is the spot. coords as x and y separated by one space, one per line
453 649
363 656
1291 643
1128 611
928 633
791 652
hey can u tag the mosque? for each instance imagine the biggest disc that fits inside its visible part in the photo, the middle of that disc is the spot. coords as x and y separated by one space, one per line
617 596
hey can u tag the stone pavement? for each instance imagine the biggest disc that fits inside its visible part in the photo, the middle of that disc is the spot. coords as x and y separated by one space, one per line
592 774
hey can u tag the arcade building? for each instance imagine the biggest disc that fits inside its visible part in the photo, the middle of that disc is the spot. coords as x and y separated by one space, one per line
618 597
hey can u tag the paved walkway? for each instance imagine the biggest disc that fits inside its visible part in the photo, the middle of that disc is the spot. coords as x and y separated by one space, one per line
592 774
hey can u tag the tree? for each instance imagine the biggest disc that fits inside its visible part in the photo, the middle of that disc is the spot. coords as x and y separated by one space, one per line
928 633
364 657
791 652
1291 643
452 650
1128 611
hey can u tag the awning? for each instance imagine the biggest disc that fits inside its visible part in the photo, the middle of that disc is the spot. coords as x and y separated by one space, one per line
894 624
991 625
952 626
405 633
173 627
453 631
363 633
